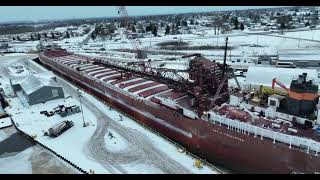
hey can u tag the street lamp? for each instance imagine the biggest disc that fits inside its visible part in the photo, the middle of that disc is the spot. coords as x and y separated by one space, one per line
80 96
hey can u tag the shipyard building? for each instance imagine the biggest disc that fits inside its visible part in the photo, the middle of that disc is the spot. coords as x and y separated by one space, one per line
299 57
36 88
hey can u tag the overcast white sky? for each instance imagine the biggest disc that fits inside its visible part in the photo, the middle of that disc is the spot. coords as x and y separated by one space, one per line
35 13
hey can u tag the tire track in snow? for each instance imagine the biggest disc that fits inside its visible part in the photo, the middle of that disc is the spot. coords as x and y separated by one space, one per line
140 147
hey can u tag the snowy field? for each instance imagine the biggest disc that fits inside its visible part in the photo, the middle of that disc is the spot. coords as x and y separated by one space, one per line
310 34
73 143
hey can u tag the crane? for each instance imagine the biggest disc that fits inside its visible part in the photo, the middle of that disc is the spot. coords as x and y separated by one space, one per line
275 81
140 53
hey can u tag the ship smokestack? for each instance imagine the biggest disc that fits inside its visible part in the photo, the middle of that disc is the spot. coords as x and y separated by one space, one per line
304 77
300 79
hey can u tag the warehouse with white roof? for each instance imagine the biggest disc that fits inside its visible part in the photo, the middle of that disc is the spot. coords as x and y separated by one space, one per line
36 88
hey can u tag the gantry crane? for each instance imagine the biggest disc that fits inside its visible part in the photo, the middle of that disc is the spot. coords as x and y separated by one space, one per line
140 53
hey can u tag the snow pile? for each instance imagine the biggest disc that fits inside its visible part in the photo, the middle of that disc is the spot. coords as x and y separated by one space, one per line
114 142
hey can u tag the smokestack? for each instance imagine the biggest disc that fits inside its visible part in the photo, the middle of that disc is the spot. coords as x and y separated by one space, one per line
300 79
304 77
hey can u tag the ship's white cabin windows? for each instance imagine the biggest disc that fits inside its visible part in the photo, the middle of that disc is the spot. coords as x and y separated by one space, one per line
274 100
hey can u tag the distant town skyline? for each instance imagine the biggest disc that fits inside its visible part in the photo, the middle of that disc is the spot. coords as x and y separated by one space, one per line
38 13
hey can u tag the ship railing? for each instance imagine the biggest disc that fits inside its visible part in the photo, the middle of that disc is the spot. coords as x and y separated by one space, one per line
309 145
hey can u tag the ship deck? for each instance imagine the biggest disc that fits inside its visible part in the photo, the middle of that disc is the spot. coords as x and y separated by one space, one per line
134 85
236 113
150 90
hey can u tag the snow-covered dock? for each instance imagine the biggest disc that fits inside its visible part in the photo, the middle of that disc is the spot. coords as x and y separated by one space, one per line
120 137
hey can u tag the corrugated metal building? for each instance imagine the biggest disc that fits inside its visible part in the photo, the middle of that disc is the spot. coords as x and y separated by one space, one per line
300 57
37 88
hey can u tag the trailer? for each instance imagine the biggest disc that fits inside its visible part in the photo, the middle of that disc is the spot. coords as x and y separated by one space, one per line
57 129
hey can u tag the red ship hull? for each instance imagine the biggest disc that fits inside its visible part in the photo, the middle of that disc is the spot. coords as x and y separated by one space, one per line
216 143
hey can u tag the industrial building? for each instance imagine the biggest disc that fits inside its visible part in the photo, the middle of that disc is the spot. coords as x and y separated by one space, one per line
36 88
263 75
299 57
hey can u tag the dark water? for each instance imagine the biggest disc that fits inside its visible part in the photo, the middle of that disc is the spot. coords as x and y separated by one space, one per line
14 144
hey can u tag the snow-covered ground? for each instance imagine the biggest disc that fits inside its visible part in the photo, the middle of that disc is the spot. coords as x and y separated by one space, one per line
244 45
70 143
17 164
5 122
310 34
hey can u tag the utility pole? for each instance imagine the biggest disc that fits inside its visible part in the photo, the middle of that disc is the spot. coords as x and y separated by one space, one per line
80 96
299 39
225 57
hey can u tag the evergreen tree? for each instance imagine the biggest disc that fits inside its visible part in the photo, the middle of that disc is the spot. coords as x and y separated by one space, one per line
39 36
155 30
45 35
191 21
173 29
178 22
67 34
184 23
122 24
31 37
241 27
93 36
13 38
133 29
167 30
149 27
282 26
307 24
236 23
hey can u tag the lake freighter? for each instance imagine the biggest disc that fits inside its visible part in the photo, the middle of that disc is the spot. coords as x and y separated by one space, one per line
223 125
